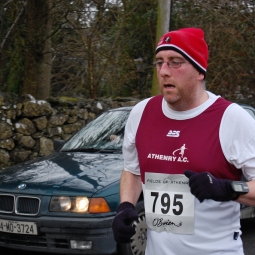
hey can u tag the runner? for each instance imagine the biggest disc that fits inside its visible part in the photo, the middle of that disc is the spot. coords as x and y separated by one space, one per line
186 149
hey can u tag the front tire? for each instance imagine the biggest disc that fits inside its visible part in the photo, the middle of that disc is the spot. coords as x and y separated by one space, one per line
137 243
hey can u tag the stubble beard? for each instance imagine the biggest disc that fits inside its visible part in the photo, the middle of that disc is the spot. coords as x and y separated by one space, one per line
179 101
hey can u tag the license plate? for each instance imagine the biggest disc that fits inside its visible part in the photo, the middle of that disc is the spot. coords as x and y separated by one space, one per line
18 227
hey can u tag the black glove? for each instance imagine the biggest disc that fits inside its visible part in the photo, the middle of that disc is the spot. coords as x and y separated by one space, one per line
206 186
121 225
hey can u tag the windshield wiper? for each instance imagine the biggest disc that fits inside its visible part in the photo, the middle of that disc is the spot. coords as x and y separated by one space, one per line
117 151
82 150
106 150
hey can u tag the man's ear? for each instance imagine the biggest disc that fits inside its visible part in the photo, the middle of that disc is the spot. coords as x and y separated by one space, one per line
201 76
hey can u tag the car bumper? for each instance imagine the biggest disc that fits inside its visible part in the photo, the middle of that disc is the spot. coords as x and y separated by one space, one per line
55 235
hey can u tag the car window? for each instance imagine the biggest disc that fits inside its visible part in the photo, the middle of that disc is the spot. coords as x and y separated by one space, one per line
105 132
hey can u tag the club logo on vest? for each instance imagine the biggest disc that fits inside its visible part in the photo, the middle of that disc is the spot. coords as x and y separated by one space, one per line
181 150
177 156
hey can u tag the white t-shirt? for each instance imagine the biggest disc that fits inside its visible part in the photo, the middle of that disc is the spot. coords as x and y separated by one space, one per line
215 222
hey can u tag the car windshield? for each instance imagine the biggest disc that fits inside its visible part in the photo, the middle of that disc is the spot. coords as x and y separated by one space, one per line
104 133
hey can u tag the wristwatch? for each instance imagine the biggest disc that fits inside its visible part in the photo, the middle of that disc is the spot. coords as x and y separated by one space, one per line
239 188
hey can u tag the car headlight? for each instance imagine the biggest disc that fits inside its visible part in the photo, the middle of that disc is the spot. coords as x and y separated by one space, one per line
78 204
65 203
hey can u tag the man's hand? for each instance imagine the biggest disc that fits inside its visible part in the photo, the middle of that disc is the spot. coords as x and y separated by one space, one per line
121 225
206 186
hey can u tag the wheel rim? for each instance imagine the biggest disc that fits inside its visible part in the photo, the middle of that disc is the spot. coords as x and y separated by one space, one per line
138 241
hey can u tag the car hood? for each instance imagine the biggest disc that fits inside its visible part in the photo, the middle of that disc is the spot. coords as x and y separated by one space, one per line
63 173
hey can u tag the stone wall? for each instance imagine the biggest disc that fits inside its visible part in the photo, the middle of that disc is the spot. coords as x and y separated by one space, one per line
28 127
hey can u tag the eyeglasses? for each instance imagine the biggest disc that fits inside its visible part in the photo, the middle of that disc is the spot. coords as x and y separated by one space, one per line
171 63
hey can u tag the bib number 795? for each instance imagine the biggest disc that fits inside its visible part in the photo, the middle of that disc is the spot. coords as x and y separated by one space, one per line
165 202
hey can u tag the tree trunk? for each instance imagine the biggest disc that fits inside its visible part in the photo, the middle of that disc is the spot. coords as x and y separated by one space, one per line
38 49
163 22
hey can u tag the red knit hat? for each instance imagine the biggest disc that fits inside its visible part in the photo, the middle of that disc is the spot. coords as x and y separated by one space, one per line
190 43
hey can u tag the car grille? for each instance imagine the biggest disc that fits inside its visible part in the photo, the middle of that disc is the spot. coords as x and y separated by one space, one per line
24 205
6 203
34 241
23 240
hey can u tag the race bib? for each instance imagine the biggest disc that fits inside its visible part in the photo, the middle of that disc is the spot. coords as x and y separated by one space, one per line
169 205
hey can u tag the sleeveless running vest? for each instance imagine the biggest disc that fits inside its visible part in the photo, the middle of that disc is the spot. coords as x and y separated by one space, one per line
171 146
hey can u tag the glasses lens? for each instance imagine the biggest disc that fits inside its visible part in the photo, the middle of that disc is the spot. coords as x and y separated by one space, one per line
158 64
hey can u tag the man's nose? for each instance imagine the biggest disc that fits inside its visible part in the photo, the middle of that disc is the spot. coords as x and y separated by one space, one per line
165 70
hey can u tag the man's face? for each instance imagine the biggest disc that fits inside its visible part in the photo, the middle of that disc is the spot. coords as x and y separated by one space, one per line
181 85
